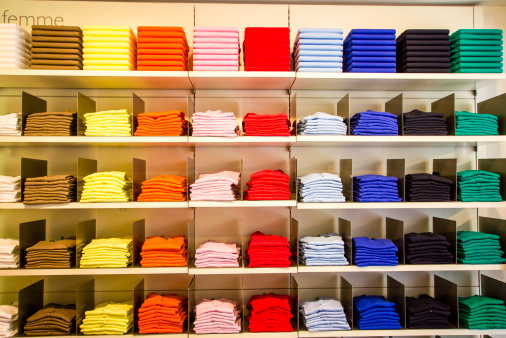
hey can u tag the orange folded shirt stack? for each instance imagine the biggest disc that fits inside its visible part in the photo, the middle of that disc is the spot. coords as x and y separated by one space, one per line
163 188
164 123
163 314
162 48
158 251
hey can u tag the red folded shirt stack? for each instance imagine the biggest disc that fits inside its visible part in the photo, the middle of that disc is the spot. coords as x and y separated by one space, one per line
268 251
268 185
266 125
267 49
270 313
162 48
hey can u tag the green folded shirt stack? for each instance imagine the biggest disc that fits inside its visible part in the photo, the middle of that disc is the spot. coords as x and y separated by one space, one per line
107 186
476 51
107 253
478 186
482 313
478 248
476 124
108 319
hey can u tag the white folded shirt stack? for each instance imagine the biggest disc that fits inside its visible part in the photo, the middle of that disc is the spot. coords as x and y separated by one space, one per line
15 46
9 320
10 188
10 124
9 253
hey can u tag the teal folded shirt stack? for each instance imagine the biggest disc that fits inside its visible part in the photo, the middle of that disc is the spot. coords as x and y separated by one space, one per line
478 186
476 124
478 248
476 51
482 313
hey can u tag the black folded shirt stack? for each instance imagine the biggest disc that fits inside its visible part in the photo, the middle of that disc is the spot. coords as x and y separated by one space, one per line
428 188
423 51
427 248
426 312
417 122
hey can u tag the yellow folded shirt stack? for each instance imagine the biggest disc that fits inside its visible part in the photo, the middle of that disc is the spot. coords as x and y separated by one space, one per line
107 253
108 123
109 48
107 186
108 318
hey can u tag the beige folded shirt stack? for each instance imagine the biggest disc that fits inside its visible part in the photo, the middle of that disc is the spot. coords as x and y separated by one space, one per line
51 124
52 320
50 189
51 255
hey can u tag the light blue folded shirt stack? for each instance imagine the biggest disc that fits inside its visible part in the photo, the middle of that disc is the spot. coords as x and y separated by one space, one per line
323 314
319 50
322 250
321 124
320 187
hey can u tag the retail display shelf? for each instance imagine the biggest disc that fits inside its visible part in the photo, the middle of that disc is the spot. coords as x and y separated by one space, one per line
251 335
402 205
108 141
241 80
400 333
240 270
244 141
93 271
402 268
111 205
239 204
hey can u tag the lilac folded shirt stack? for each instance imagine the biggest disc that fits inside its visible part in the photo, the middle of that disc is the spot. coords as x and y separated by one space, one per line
217 316
214 123
220 186
216 48
213 254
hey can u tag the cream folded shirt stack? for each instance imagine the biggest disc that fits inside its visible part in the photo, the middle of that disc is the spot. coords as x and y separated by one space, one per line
109 48
108 123
10 124
9 253
107 253
10 189
108 319
15 45
107 186
9 320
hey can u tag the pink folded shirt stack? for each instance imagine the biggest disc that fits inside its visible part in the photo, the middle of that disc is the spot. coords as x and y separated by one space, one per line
214 123
218 255
220 186
216 48
217 316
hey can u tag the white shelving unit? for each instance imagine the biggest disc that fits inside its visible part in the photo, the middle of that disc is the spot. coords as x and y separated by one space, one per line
111 205
400 333
93 272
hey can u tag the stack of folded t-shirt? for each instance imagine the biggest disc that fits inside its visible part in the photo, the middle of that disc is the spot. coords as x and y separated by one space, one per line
163 188
482 313
267 49
369 252
162 48
52 320
365 48
108 123
108 319
320 187
107 186
476 51
163 314
268 251
216 48
10 124
326 249
479 248
218 316
50 189
158 251
270 313
423 51
214 123
15 44
107 253
478 186
375 313
417 122
475 124
166 123
321 124
10 188
266 125
9 253
426 312
428 188
51 254
9 320
427 248
51 124
323 314
57 47
309 44
109 48
220 186
216 254
374 123
375 188
268 185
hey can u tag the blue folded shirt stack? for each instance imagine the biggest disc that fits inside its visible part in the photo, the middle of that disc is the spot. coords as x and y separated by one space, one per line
374 123
374 252
321 124
375 313
326 249
323 314
319 50
370 51
375 188
322 187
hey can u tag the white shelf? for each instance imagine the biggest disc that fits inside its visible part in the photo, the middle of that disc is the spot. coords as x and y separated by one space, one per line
241 80
402 205
404 268
240 271
249 334
241 204
108 141
401 333
242 141
112 205
93 271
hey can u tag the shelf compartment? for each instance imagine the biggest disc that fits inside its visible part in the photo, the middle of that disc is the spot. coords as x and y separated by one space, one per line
101 205
241 80
106 141
93 272
242 141
400 333
403 268
241 204
402 205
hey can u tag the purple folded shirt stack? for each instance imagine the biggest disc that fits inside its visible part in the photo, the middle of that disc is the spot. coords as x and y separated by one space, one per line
217 316
215 254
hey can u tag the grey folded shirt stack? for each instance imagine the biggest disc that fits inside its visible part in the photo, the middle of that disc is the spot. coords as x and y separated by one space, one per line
52 320
50 189
51 255
51 124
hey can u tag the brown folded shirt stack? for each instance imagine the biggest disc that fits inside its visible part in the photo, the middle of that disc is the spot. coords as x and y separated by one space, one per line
51 124
52 320
57 47
51 255
50 189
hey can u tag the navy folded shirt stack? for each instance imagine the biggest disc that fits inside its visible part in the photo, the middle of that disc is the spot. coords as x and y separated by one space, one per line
428 188
370 51
375 188
319 50
423 51
372 252
426 312
375 313
374 123
326 249
427 248
418 122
